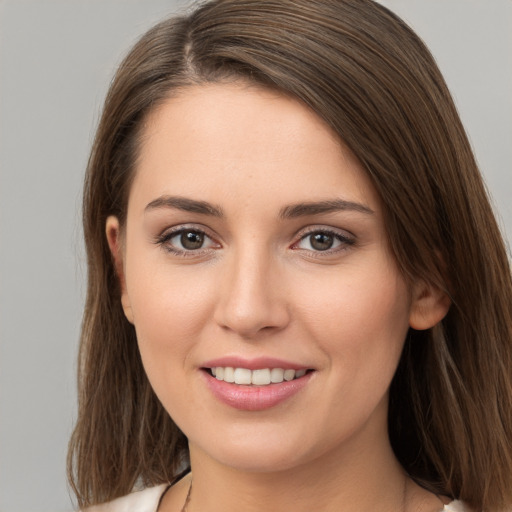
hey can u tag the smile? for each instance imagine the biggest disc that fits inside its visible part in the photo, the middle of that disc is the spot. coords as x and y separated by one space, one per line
259 377
255 389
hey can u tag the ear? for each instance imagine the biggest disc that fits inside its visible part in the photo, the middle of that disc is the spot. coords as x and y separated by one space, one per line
429 306
113 232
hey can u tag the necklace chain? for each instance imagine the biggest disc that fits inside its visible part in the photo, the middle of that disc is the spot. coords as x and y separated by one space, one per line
187 499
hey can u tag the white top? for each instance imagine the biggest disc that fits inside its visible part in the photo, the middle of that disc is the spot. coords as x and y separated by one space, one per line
148 500
138 501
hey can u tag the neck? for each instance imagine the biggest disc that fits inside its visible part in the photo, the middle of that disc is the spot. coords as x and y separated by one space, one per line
366 477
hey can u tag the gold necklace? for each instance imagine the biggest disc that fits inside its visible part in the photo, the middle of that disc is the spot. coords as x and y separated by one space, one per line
187 499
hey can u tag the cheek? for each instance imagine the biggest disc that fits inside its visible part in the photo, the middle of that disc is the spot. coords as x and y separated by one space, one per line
169 316
360 319
170 309
361 328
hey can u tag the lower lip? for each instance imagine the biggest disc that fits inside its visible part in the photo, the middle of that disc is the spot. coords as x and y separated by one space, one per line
255 398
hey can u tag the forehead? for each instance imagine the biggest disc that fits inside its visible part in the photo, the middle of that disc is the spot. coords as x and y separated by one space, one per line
211 139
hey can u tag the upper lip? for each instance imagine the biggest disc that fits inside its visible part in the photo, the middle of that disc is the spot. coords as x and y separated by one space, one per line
254 363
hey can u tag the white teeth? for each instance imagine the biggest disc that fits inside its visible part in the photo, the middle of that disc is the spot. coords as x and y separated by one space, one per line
276 375
242 376
229 374
260 377
289 374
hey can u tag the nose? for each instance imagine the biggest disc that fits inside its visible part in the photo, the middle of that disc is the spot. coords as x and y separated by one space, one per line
252 299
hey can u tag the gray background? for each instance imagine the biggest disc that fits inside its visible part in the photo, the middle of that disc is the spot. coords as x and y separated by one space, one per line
56 60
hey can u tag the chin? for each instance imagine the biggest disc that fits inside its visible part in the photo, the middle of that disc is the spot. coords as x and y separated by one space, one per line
268 456
258 462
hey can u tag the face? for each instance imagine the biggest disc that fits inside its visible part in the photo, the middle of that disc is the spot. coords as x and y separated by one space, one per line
255 249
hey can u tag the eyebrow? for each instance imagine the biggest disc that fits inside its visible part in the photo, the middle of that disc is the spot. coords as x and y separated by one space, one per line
185 204
288 212
319 207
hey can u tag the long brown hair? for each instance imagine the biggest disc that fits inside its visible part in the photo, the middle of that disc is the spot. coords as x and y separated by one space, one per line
364 71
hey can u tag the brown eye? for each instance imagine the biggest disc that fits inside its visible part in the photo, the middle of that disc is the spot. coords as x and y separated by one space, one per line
191 240
321 241
186 241
324 241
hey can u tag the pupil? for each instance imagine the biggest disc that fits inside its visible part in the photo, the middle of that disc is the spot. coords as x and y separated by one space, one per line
321 241
192 240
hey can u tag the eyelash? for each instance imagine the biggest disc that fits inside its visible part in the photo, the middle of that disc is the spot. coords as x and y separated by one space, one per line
164 239
344 240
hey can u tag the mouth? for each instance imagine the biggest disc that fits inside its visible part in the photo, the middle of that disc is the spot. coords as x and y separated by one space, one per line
257 377
256 384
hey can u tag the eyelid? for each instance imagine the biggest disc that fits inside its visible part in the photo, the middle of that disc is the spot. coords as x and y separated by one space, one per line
168 233
323 228
345 237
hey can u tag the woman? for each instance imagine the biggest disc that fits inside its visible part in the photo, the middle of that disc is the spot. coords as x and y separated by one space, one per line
296 283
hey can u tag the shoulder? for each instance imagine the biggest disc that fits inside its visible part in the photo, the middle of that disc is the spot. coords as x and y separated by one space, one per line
455 506
146 500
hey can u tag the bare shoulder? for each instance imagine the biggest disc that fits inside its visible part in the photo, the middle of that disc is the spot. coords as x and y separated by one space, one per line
139 501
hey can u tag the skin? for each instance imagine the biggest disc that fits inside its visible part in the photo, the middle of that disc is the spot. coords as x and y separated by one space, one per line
258 287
